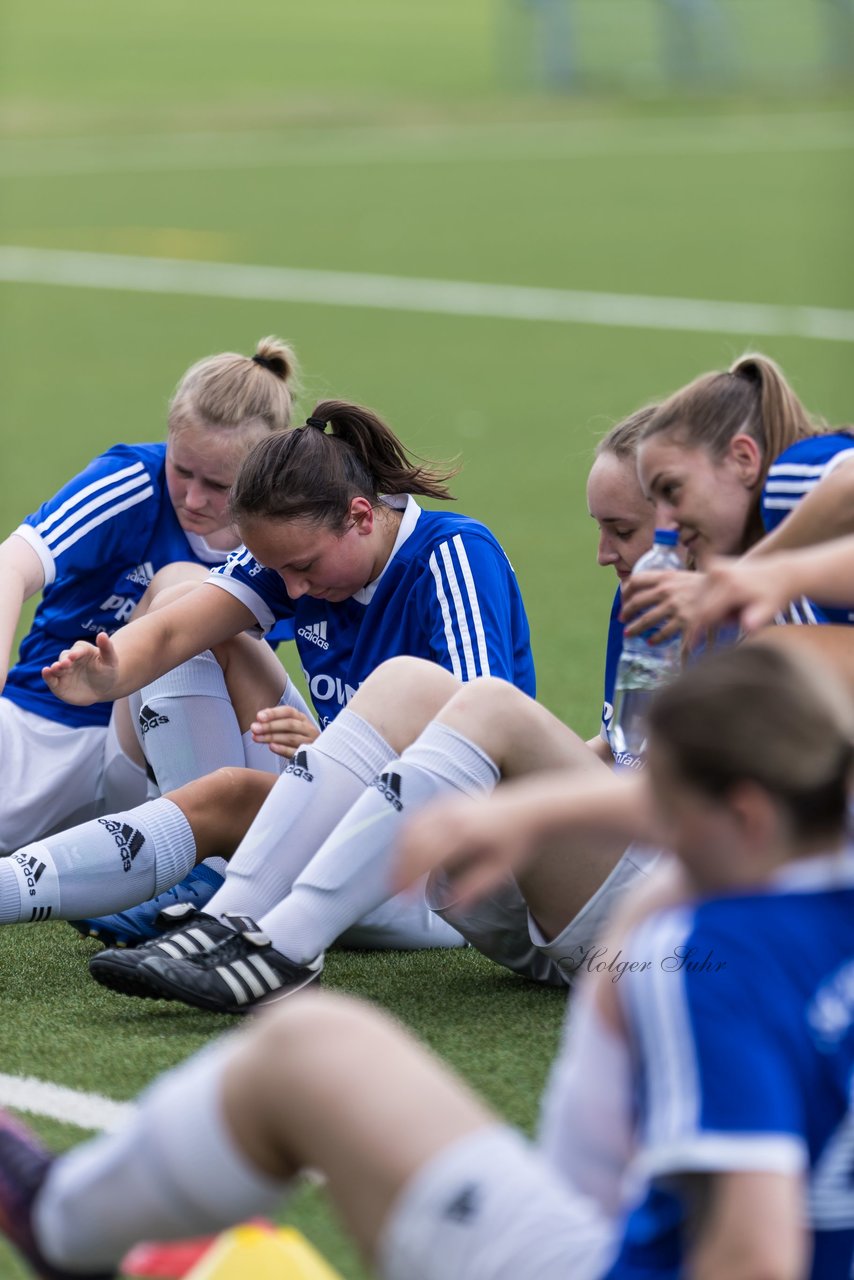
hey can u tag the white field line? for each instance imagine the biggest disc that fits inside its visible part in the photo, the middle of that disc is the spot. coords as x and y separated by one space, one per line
427 144
59 267
41 1098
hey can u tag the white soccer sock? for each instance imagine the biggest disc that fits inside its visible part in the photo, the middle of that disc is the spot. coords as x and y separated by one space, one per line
174 1171
187 725
351 873
315 789
104 865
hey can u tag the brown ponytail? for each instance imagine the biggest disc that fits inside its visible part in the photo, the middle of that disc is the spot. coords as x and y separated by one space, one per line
314 474
752 398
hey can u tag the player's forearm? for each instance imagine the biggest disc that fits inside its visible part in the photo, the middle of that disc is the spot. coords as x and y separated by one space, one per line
824 573
610 804
164 638
825 513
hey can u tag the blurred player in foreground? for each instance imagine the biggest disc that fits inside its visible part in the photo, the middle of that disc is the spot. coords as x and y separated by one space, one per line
698 1118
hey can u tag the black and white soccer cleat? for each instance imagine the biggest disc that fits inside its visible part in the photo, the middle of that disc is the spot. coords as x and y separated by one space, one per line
240 974
188 932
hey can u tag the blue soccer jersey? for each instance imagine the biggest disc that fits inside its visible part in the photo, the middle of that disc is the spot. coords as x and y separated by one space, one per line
613 649
798 470
447 594
100 541
743 1029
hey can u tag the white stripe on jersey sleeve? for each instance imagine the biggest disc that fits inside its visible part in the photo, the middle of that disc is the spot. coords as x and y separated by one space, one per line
707 1151
791 486
663 1023
459 610
474 605
244 593
75 521
79 533
28 533
780 504
237 560
796 469
842 456
83 494
446 617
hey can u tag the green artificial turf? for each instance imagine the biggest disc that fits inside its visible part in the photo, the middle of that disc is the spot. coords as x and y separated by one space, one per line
414 141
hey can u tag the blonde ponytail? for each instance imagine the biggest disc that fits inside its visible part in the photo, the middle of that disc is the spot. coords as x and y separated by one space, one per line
231 391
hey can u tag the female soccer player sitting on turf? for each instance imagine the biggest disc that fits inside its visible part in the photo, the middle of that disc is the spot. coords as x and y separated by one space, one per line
698 1119
212 815
729 457
365 574
92 550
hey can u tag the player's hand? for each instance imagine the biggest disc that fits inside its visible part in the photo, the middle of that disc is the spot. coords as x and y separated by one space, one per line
85 673
750 591
477 842
284 730
666 599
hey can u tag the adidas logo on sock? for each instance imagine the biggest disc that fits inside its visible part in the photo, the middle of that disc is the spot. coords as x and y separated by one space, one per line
299 766
39 914
464 1206
316 633
128 840
388 785
33 870
150 719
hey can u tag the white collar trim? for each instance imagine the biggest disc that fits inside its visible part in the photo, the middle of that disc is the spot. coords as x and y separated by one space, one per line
411 511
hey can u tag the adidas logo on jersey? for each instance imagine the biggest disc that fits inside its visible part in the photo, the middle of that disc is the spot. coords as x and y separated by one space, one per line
316 633
149 719
299 767
128 840
33 870
388 785
141 576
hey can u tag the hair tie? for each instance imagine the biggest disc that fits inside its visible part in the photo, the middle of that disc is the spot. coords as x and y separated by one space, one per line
264 363
316 422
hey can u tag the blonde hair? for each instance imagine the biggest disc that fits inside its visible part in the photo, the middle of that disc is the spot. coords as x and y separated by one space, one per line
624 437
231 391
751 398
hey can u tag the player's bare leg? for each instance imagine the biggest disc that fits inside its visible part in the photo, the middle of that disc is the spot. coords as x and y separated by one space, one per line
523 738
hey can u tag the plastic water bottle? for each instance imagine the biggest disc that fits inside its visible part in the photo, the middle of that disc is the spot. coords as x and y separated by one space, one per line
643 667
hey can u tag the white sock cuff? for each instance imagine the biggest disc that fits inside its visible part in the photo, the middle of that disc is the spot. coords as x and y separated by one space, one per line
206 1165
172 837
453 757
355 744
197 677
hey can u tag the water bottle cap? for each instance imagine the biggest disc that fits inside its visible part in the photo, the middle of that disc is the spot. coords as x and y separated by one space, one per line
667 537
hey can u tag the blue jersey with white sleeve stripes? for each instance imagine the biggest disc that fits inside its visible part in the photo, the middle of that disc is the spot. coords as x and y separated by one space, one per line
447 594
791 477
100 541
743 1027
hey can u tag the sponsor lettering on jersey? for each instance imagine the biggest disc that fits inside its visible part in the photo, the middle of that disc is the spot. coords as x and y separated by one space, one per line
299 767
315 632
32 868
325 688
388 785
128 840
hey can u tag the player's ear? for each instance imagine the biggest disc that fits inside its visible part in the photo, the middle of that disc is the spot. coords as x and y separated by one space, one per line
361 516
